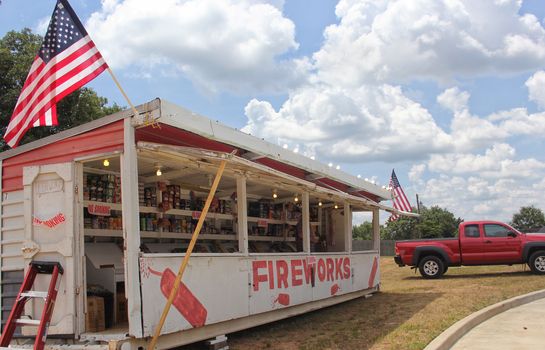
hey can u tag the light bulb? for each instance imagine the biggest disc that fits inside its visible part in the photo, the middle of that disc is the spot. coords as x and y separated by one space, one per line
320 203
296 199
275 195
106 162
336 206
158 172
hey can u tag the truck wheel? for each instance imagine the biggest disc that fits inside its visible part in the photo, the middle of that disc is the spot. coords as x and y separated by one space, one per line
537 262
431 267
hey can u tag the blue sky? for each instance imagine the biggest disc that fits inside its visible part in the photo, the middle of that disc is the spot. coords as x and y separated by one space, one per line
449 93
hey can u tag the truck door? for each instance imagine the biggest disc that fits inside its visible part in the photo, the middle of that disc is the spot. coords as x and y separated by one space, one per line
51 234
471 245
500 246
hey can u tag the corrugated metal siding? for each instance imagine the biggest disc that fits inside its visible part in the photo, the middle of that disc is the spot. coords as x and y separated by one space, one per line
13 231
105 139
11 282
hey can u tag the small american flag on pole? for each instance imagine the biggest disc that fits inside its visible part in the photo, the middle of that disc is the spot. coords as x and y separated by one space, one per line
400 200
67 60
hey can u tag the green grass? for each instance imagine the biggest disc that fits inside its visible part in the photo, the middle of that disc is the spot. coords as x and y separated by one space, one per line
407 314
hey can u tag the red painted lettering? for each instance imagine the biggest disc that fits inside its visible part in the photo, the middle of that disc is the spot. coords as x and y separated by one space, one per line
282 273
296 273
346 267
256 265
321 270
330 269
307 268
338 269
271 274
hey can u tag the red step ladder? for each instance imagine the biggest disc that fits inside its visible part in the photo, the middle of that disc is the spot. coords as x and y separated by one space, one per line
25 293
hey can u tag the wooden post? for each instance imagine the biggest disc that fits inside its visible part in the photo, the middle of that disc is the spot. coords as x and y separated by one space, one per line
131 227
306 222
242 215
347 227
376 230
187 255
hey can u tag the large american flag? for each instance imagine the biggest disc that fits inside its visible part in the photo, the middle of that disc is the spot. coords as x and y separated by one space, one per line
400 199
67 60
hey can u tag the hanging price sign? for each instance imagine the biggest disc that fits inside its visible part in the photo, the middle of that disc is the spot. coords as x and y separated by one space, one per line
99 209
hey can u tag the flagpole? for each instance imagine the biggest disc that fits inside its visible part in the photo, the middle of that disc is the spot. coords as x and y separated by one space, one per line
123 92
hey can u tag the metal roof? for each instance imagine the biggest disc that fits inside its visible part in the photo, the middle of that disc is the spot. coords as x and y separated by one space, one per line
168 113
182 118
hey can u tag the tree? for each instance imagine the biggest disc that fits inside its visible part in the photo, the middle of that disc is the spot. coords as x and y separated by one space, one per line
17 52
363 231
528 219
433 222
402 228
437 222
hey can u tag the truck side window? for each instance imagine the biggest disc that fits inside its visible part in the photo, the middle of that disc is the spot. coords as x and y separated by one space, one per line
493 230
471 231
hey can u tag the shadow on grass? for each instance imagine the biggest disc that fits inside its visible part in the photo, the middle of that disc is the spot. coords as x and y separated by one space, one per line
510 274
356 324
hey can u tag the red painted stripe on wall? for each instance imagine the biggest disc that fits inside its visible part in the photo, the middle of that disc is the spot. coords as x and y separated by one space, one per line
108 138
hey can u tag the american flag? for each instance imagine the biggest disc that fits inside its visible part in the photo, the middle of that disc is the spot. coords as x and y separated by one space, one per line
400 200
67 60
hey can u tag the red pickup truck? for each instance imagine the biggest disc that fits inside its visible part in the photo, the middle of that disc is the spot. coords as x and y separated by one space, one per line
478 243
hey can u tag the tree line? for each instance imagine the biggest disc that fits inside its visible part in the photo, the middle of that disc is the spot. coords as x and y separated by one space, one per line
436 222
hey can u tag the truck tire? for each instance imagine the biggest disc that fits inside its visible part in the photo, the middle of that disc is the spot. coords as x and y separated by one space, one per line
537 262
431 267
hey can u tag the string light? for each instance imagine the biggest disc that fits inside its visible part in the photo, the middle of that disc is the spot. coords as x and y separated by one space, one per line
106 162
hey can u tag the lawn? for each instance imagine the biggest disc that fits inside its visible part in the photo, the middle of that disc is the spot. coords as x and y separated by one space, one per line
407 314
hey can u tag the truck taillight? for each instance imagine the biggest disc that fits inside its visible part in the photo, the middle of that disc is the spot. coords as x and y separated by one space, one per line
396 250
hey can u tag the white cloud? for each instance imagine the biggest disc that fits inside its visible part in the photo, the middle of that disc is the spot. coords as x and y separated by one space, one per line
454 99
474 198
219 45
497 162
41 27
416 172
397 41
369 123
536 88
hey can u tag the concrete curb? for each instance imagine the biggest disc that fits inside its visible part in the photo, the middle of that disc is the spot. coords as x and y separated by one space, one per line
449 337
